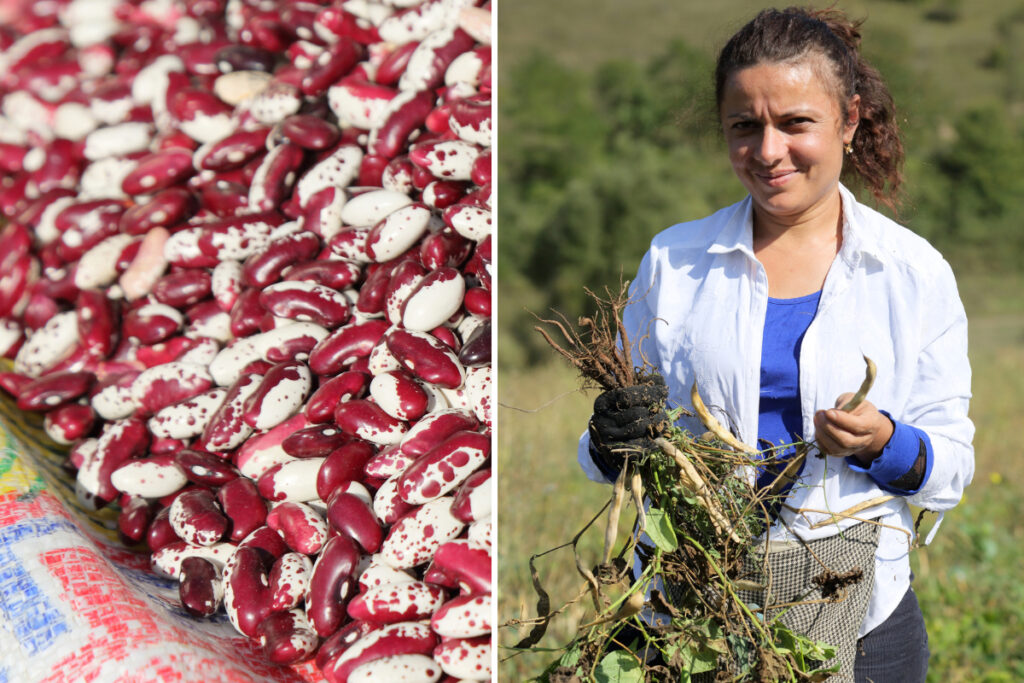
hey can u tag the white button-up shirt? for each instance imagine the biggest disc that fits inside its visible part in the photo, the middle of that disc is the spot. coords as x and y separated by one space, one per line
700 299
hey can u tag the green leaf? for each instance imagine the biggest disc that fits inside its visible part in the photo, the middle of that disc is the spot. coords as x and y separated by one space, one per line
661 531
619 666
571 657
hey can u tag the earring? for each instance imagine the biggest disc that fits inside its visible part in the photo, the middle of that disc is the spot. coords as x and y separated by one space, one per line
848 148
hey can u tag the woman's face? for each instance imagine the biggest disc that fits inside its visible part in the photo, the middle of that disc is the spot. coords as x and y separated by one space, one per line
786 136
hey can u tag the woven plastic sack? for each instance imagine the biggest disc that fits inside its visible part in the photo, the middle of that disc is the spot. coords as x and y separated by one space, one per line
76 605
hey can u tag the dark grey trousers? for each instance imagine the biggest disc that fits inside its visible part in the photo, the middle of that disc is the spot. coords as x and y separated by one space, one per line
896 651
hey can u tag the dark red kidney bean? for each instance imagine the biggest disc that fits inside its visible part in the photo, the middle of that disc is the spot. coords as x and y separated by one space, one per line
477 301
310 132
164 351
182 288
166 446
246 595
333 63
372 294
246 313
72 421
325 601
371 170
481 172
348 385
243 505
285 639
352 516
343 465
393 66
446 335
345 345
476 350
469 565
317 441
275 177
444 467
239 57
205 469
159 171
468 506
426 358
442 249
225 198
265 267
14 382
134 519
168 207
267 540
54 390
306 301
200 57
233 151
151 323
393 136
160 533
337 275
441 194
199 586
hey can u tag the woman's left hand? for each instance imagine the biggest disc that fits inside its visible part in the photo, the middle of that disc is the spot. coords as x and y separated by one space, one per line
862 432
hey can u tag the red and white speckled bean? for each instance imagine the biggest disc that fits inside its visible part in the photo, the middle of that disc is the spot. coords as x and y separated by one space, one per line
196 518
411 668
287 637
339 169
294 480
167 384
188 418
330 583
378 573
465 616
371 207
246 593
436 298
367 420
279 395
301 527
444 467
168 558
466 658
263 451
398 231
415 538
242 504
426 357
473 499
199 586
48 345
397 602
289 579
399 395
152 477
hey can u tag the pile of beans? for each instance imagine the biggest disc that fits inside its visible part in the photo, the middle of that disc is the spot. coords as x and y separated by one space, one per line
245 274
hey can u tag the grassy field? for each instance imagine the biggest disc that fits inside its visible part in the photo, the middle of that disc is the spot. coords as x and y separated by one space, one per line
968 579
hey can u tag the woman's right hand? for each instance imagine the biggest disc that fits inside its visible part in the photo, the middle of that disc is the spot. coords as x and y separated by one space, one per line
627 420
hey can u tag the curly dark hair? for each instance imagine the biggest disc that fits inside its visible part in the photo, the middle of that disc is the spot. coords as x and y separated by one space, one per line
775 36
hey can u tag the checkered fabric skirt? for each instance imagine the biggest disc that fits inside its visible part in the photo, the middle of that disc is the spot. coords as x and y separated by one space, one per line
789 574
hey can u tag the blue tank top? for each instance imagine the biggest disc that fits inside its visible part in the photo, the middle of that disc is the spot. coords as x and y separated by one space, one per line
781 421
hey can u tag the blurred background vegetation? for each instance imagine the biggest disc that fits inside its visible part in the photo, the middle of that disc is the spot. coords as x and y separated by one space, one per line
608 134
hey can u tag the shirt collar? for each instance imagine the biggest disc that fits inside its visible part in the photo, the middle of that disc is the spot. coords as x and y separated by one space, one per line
859 231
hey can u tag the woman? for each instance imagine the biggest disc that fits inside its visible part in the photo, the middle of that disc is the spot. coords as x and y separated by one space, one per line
771 304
